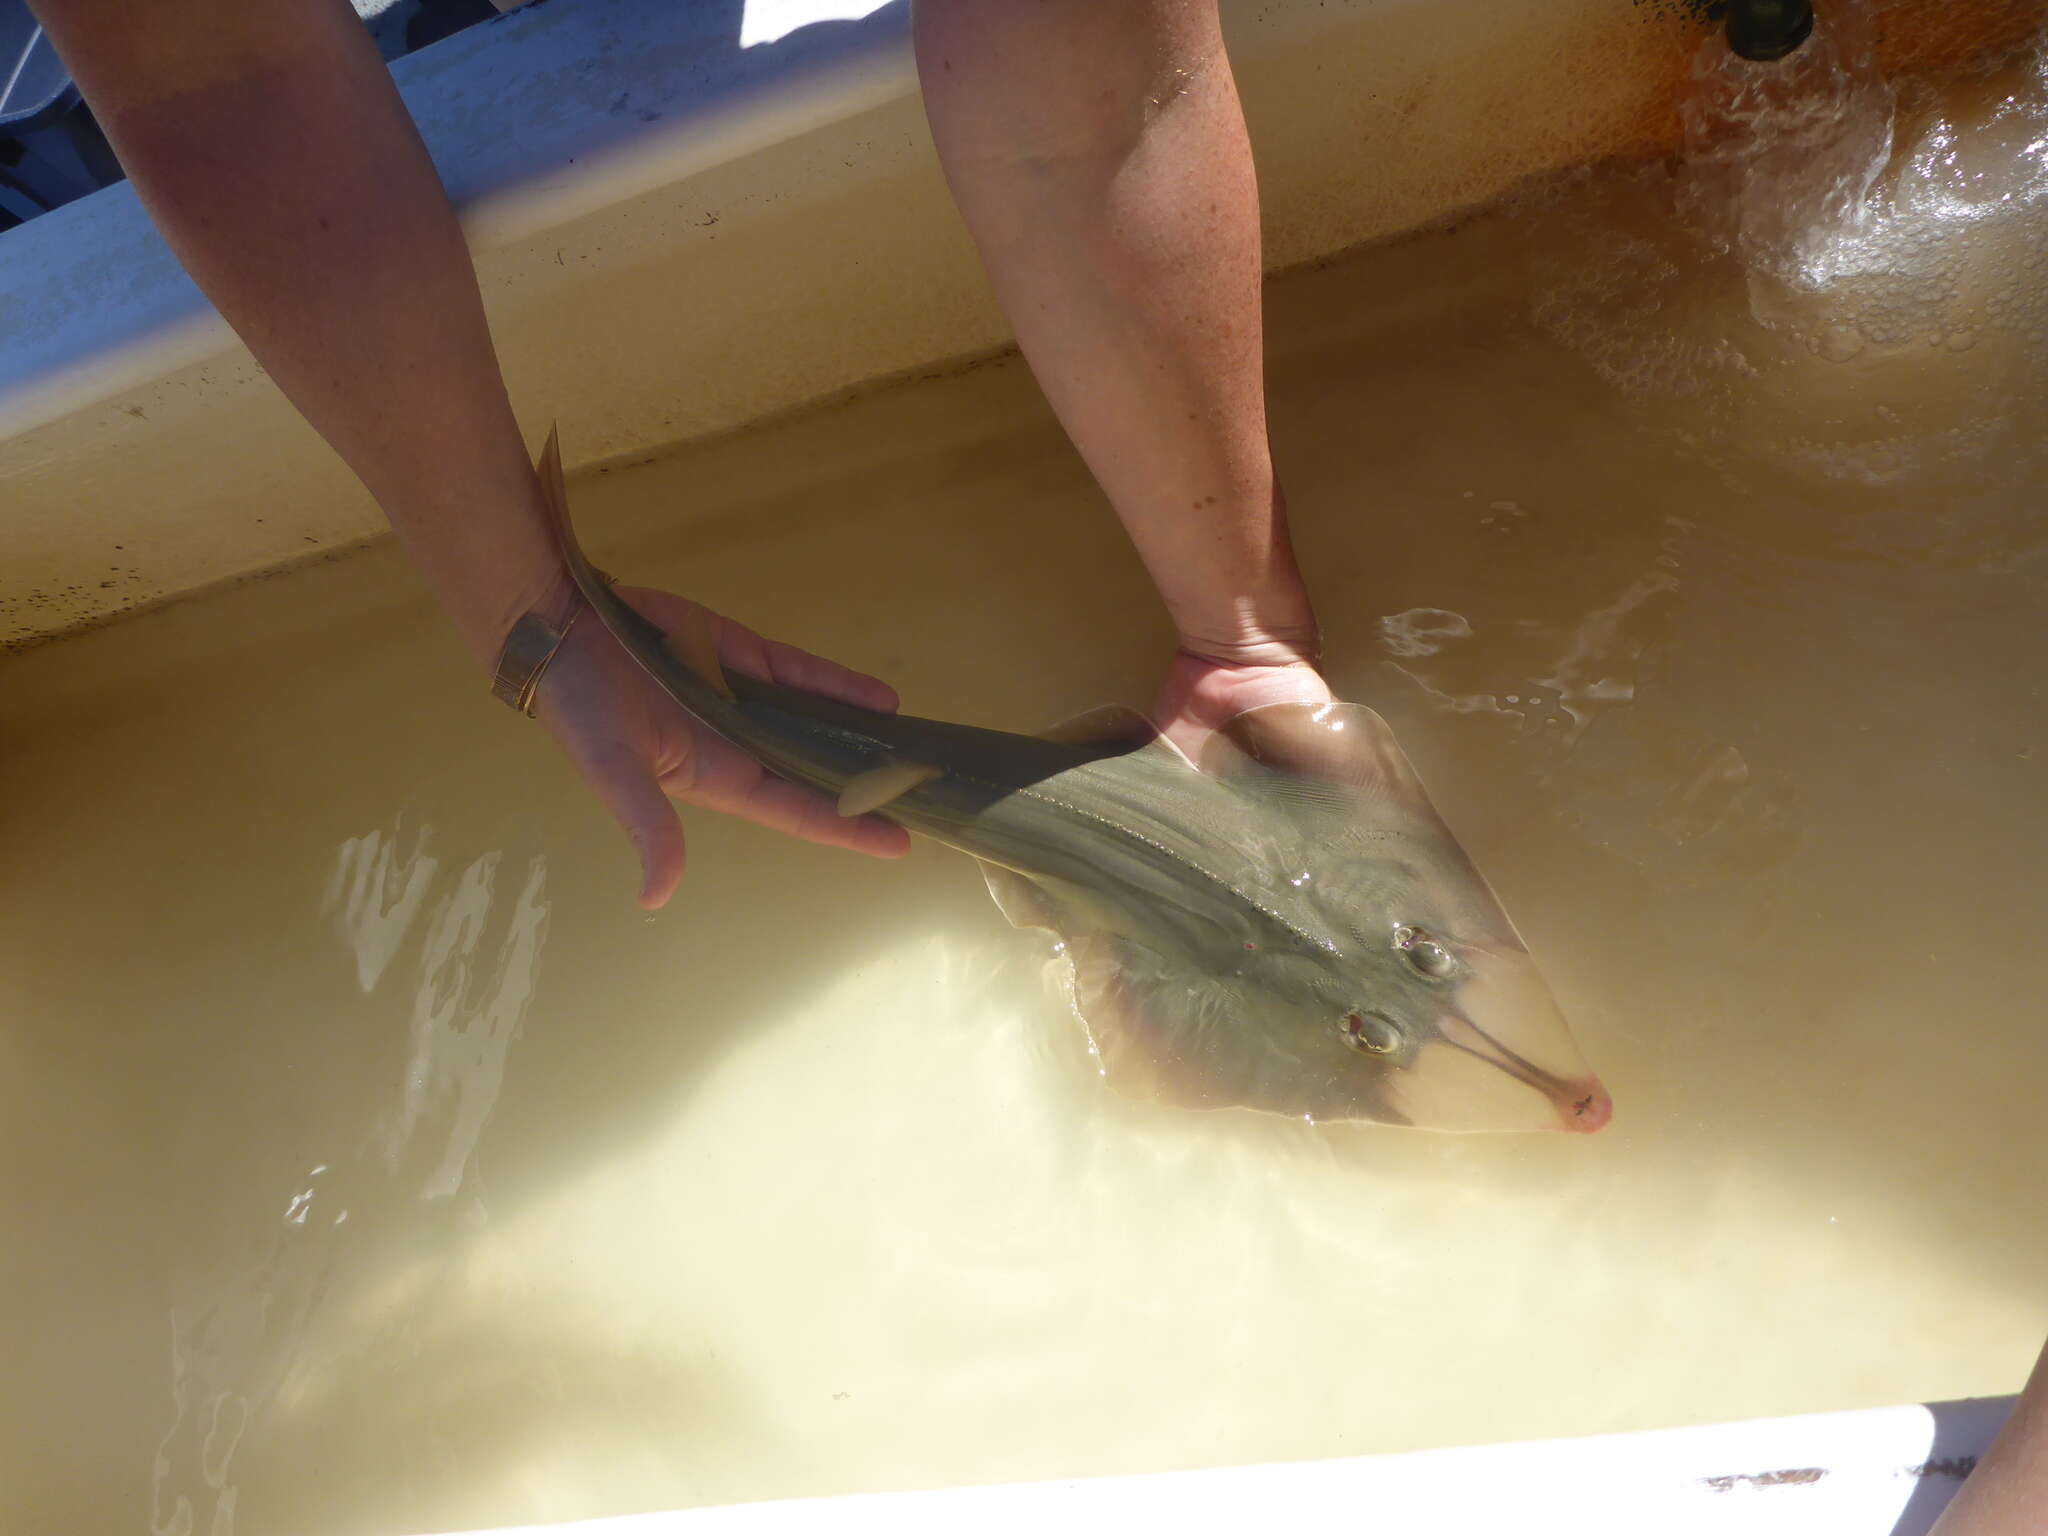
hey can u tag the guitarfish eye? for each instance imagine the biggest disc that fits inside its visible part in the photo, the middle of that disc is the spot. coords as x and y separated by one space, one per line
1370 1031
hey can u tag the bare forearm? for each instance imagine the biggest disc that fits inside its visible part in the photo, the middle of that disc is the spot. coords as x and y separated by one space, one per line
1098 154
2008 1493
273 153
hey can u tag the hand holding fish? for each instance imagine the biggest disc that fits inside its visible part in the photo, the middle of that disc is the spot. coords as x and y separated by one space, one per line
1201 695
636 749
1288 925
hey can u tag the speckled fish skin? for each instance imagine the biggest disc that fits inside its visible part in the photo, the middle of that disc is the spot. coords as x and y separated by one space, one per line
1290 927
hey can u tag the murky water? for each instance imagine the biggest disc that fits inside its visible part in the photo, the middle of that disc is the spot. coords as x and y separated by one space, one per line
374 1166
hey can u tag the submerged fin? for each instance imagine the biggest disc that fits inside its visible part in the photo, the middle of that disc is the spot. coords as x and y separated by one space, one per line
1334 768
875 788
1337 771
1344 744
1143 1022
1148 1023
1022 900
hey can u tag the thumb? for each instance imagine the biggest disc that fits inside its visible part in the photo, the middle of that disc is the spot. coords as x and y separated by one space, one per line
630 792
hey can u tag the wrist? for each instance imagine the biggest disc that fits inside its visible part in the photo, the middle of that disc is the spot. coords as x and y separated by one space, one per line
487 552
548 595
1278 630
1247 605
490 576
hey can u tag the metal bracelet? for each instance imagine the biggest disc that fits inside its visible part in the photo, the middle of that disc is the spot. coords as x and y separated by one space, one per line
528 648
524 658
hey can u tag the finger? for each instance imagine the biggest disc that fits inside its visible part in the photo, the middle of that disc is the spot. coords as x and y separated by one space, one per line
723 779
638 804
789 808
742 649
814 674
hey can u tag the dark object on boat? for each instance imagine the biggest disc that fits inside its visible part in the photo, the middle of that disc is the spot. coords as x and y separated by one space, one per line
1764 30
433 20
51 150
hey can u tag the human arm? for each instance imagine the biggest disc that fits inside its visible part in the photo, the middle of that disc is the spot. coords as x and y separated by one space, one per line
1098 155
273 153
2007 1494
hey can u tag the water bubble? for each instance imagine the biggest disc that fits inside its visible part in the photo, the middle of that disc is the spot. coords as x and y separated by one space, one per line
1839 343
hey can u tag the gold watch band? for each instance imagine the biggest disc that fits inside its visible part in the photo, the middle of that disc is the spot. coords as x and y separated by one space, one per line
528 648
